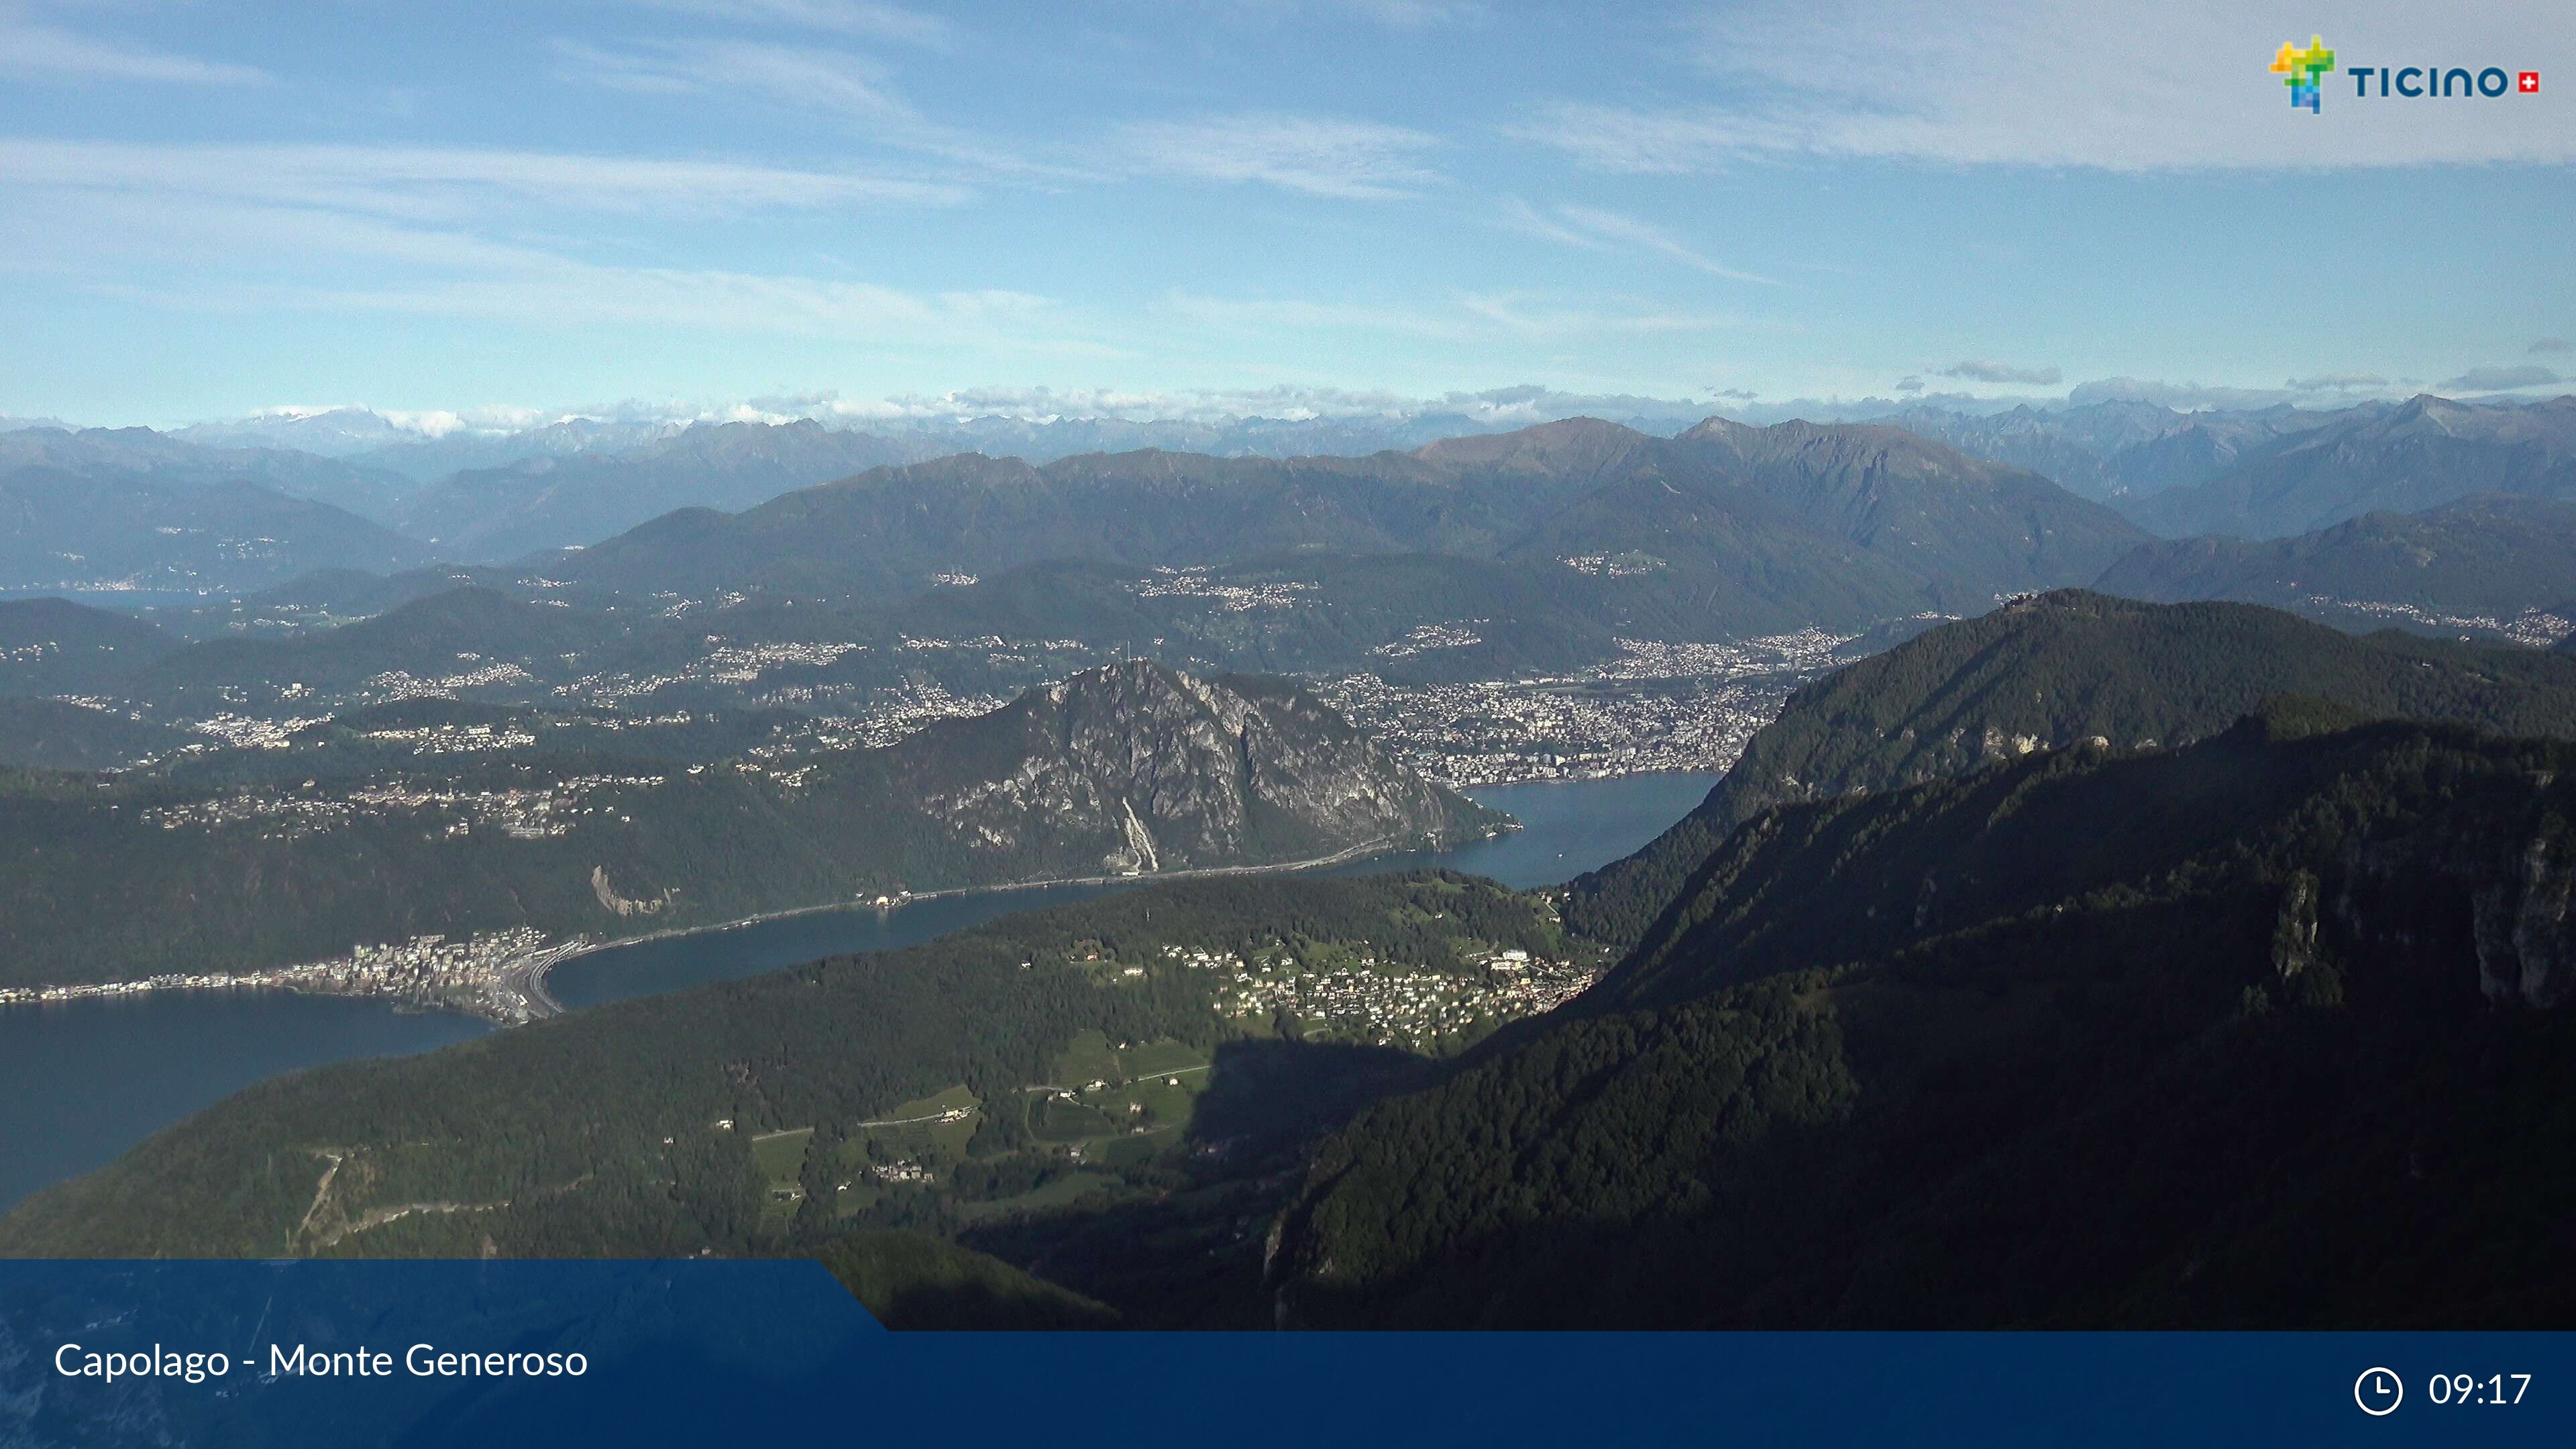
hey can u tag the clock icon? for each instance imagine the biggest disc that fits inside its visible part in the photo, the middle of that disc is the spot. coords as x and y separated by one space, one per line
2378 1392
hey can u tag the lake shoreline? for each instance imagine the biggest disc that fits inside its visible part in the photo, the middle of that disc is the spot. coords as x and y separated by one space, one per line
81 1081
513 992
884 904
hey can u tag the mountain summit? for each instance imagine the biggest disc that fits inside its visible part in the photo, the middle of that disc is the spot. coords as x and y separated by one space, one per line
1723 530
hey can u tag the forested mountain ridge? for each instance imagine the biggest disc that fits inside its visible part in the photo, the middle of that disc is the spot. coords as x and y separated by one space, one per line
2184 1038
1823 521
1130 770
2494 565
1894 493
2056 670
47 734
55 646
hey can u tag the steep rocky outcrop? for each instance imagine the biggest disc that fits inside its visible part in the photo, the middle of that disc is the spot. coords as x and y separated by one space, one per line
1136 769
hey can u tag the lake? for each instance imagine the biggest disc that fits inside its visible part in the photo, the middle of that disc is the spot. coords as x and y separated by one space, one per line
82 1081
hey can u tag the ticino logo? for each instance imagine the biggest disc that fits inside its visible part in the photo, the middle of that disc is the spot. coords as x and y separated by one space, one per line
2304 68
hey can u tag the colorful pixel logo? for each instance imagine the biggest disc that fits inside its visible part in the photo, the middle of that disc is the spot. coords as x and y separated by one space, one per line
2304 71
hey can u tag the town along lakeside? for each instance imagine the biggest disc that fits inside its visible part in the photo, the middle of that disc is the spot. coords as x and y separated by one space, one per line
82 1080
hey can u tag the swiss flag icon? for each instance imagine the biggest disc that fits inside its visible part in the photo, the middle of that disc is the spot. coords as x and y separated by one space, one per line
2528 83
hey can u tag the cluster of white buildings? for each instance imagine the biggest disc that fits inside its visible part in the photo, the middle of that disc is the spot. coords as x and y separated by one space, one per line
1171 583
538 813
495 975
1387 1003
2535 628
396 684
456 739
1424 638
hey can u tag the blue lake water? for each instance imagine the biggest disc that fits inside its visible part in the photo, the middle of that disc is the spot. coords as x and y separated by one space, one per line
82 1081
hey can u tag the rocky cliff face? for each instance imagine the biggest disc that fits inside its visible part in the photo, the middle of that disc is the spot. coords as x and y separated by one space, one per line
1137 770
2520 888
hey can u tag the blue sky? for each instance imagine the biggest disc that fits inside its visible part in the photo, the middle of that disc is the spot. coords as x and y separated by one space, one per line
1267 206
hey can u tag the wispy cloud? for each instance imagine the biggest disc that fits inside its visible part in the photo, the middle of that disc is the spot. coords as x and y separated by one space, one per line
1393 14
1612 226
38 51
2027 83
2184 396
1316 155
2549 344
1533 316
1271 315
435 182
1468 319
799 76
854 89
858 18
1978 370
2336 382
2504 379
1522 217
257 262
568 293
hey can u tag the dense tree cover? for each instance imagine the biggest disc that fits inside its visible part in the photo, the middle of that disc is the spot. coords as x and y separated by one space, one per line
54 646
2493 556
2055 671
2237 1035
1232 772
913 1280
48 734
1749 530
598 1133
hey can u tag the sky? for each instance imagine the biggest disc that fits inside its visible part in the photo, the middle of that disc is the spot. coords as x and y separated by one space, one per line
1275 207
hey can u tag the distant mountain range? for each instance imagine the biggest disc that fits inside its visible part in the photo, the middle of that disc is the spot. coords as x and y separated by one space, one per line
1723 529
2276 471
142 455
575 499
2496 565
132 510
1575 532
2117 450
2424 453
366 437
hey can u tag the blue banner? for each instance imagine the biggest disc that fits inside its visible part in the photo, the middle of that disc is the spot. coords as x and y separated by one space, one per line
733 1353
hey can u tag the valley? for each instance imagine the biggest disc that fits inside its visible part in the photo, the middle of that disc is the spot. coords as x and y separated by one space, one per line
1062 874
